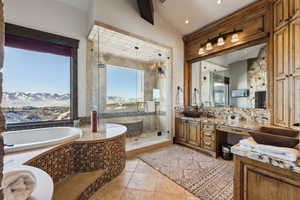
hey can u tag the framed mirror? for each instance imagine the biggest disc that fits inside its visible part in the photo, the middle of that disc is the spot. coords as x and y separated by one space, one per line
236 79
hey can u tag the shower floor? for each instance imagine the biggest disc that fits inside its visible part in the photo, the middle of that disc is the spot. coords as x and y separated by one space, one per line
145 139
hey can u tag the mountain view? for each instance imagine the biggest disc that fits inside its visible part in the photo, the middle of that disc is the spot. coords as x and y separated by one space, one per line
31 107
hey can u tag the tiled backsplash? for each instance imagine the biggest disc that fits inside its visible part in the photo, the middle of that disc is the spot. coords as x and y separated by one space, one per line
248 114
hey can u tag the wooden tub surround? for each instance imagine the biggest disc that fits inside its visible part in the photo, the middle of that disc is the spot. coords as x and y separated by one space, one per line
79 168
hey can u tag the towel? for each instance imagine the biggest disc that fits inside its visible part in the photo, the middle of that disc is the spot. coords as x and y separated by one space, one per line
150 106
282 153
18 185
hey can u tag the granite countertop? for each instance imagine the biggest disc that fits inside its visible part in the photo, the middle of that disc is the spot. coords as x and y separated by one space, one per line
292 166
222 122
105 131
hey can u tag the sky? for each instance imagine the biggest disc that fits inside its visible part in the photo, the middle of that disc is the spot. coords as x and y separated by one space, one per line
122 82
35 72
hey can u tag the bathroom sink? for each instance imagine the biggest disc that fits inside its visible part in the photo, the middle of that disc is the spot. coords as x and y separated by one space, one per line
276 137
193 114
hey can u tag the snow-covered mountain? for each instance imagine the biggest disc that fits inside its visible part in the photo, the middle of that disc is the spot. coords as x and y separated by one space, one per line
22 99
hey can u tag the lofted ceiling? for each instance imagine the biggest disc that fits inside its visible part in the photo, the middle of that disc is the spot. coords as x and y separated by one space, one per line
79 4
198 12
175 12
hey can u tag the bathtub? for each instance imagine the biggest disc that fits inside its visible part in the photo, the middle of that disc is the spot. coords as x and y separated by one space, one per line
35 138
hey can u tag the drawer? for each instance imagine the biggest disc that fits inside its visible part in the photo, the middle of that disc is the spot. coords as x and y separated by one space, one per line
211 135
237 131
208 127
209 145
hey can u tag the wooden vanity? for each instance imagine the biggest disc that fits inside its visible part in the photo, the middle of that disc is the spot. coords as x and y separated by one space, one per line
196 134
208 135
261 177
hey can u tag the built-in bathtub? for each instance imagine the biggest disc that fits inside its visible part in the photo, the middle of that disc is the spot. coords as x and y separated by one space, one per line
35 138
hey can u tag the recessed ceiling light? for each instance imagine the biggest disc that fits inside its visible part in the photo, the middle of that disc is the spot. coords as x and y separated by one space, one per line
187 21
219 1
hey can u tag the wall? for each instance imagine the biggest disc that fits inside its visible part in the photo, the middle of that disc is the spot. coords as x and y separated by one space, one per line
57 18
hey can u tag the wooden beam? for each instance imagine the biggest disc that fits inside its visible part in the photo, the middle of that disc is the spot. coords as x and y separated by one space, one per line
146 10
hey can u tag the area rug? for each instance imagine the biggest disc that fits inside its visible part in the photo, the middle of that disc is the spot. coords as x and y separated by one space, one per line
200 174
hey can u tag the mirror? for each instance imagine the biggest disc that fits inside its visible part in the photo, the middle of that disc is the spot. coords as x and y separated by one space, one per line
237 79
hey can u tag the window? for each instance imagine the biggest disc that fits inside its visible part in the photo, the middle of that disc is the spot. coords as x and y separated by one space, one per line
124 86
36 86
39 77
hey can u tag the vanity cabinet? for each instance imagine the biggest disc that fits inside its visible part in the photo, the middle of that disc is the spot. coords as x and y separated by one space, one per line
181 130
197 135
294 8
254 180
281 13
194 134
285 11
209 137
294 74
286 63
281 79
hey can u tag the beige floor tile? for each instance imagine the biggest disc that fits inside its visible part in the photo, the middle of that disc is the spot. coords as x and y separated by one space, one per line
145 168
166 185
123 179
141 181
131 165
110 191
131 194
168 196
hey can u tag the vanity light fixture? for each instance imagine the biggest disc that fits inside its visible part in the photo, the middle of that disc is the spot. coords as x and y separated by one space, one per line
235 38
209 46
201 51
187 21
221 41
219 2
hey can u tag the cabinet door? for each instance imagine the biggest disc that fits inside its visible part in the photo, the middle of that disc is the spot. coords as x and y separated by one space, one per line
264 185
281 13
281 74
194 134
180 133
294 8
295 72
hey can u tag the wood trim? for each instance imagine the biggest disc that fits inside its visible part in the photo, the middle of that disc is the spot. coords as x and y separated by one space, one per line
21 31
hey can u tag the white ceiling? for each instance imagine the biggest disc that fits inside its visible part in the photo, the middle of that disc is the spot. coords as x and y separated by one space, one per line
122 45
198 12
79 4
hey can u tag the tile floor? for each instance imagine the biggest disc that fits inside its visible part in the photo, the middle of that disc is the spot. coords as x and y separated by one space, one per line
141 182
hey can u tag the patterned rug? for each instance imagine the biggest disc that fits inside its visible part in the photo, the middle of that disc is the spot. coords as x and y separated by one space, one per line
202 175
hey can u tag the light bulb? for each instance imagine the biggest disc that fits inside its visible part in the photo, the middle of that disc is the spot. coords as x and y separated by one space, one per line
221 41
201 51
219 1
235 38
209 46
